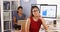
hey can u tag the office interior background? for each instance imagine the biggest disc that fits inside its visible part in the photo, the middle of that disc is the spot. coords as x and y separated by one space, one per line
9 7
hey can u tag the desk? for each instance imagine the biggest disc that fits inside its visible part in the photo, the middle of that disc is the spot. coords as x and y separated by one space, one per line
22 23
52 28
55 29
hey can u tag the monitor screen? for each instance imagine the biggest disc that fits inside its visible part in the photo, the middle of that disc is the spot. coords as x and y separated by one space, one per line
48 11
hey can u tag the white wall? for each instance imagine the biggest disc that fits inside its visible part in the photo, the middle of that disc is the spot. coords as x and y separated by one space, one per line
27 6
51 2
0 2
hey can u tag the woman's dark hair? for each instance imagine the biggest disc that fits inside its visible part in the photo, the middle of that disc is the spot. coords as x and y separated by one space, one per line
32 9
19 8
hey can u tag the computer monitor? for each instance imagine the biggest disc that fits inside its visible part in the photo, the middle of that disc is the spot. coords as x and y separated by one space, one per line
48 11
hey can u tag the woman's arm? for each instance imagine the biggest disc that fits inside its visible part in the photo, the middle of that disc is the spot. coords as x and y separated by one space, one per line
14 20
27 25
25 18
44 24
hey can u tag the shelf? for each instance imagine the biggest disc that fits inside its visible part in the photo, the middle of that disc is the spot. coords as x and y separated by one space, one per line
7 20
7 7
6 11
7 29
10 0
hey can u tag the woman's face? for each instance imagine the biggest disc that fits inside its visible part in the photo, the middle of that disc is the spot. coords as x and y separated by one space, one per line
35 12
20 11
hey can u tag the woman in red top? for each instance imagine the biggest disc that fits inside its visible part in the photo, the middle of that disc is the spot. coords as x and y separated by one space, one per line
33 23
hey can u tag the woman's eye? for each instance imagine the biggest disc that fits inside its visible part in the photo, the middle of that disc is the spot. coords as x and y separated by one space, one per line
34 11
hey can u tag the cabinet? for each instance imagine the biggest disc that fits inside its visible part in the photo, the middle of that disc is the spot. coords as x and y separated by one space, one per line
7 6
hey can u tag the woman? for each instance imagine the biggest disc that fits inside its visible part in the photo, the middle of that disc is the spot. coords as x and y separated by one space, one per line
18 16
33 23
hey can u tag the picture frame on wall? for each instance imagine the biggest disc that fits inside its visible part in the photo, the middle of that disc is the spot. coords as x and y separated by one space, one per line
6 5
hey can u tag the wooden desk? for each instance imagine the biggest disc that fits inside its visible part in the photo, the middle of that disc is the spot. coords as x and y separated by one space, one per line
22 23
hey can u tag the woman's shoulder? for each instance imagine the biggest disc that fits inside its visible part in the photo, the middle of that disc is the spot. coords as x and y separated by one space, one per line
23 14
28 18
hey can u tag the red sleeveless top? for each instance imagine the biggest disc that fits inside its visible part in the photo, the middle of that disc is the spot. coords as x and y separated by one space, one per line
35 26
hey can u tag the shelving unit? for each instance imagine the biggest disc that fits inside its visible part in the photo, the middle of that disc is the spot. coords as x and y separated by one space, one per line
7 6
0 16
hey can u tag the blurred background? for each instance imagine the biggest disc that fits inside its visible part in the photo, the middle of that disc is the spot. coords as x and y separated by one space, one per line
8 8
